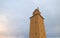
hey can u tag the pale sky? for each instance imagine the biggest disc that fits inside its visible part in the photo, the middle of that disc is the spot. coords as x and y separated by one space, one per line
14 17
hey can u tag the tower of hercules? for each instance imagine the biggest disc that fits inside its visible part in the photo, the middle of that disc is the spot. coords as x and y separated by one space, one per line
37 28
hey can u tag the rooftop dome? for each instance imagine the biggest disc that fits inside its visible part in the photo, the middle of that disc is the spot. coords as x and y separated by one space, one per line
36 11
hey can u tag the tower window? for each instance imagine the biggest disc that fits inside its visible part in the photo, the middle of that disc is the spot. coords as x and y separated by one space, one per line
35 33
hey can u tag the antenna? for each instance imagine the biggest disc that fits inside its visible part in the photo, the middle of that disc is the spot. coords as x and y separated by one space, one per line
38 8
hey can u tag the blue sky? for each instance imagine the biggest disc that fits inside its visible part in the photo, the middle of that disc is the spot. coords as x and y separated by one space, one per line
14 17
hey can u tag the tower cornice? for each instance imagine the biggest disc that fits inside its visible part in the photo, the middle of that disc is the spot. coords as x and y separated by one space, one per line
35 15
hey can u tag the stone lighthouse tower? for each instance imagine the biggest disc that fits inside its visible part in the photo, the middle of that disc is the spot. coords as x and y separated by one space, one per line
37 28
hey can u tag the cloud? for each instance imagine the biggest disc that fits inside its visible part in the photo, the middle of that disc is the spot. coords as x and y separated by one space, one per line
7 37
10 25
3 23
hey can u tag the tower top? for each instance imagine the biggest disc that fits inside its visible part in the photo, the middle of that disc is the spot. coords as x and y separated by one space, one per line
36 11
